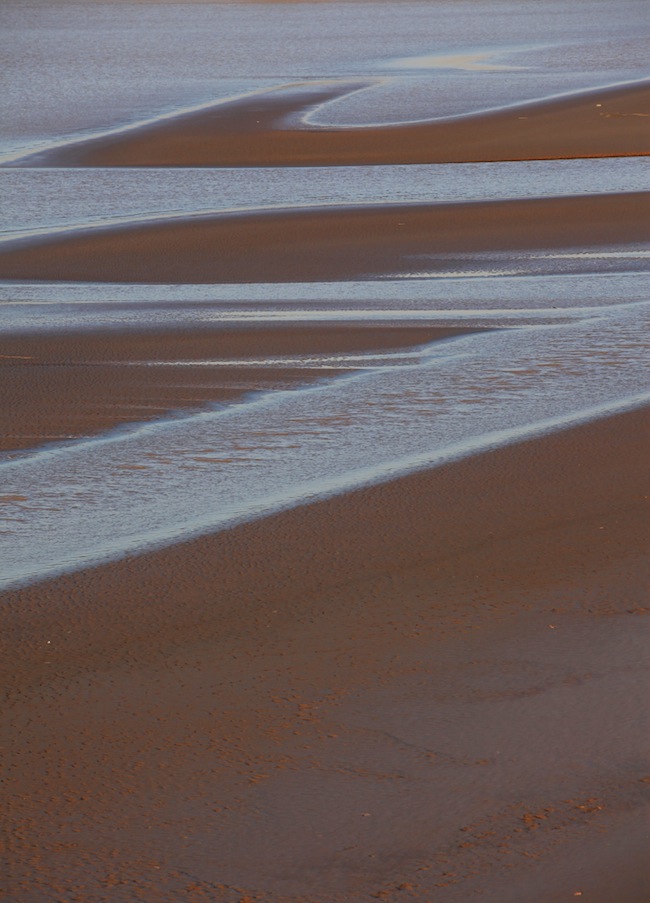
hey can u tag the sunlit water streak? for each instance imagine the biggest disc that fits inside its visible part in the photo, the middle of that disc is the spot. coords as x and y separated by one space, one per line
369 360
100 498
51 307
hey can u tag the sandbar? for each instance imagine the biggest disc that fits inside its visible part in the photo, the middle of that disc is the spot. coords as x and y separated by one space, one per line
320 244
267 129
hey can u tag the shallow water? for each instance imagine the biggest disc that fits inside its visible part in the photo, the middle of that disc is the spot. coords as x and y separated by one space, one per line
565 338
74 67
101 497
444 299
40 199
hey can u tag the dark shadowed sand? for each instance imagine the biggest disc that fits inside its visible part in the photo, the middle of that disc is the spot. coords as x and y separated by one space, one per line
323 244
433 689
265 129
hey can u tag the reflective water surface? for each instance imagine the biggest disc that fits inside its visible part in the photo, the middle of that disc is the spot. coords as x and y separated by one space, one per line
40 199
99 497
566 330
71 67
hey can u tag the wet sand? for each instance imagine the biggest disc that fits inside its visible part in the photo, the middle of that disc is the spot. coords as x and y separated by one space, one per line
265 129
434 689
67 385
430 689
324 244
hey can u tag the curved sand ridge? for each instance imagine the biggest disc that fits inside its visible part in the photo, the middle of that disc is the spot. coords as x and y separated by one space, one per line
270 129
322 244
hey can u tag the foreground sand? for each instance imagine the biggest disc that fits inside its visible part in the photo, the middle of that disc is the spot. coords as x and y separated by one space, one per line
265 129
66 385
324 244
433 689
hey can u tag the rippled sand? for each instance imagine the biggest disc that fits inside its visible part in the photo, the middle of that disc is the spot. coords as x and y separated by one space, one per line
325 528
435 683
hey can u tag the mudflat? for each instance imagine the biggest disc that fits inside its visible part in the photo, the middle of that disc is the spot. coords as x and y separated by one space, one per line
428 687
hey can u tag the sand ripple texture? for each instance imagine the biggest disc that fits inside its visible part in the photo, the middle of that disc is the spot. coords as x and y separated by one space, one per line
224 295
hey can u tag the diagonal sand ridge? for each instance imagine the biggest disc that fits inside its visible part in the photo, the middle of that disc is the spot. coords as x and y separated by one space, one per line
321 244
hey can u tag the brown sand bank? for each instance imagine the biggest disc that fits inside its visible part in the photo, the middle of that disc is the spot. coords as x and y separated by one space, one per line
265 130
324 244
432 689
69 385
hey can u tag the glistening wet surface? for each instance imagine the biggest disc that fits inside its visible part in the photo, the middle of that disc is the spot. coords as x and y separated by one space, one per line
37 200
431 689
161 481
134 61
562 331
